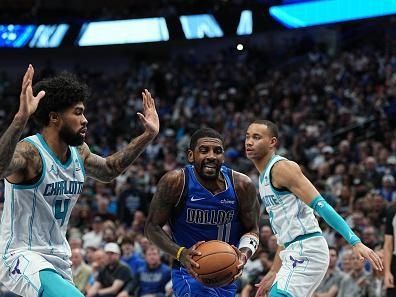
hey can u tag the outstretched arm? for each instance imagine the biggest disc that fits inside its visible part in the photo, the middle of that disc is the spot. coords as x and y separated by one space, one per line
13 160
106 169
287 174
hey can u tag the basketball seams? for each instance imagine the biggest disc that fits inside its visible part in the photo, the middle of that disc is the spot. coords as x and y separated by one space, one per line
223 268
218 263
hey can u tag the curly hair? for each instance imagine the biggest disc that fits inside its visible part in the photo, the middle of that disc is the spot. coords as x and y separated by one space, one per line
61 92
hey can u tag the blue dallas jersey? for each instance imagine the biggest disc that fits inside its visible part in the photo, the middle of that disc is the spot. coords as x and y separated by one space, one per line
200 215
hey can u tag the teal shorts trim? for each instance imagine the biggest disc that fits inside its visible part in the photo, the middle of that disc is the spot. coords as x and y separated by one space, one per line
275 292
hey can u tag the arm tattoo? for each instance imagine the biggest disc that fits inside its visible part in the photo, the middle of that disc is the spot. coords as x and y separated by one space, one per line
161 208
8 143
106 169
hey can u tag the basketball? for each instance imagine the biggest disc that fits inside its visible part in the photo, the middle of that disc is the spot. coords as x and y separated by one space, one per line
217 264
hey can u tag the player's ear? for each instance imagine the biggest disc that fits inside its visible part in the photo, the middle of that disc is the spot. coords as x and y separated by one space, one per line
274 141
190 156
53 117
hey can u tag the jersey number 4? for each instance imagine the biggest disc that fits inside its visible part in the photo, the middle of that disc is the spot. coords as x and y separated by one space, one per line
61 209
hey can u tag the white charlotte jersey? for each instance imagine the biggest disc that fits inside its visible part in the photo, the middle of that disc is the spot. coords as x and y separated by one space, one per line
35 217
289 216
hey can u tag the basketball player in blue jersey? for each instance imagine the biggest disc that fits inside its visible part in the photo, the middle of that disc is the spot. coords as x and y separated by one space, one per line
290 199
44 175
203 201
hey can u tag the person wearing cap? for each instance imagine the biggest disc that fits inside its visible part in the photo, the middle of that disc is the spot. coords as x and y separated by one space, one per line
113 277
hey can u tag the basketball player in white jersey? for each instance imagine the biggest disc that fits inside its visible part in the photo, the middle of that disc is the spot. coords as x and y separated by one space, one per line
44 175
290 199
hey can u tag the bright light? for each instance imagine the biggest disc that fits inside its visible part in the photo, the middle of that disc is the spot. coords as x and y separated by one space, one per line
314 13
239 47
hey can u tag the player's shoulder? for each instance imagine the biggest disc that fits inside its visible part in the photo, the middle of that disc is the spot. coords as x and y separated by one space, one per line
173 181
283 165
241 177
173 175
29 151
241 180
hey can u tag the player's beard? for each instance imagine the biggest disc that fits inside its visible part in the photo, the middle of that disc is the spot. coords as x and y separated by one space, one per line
206 176
70 137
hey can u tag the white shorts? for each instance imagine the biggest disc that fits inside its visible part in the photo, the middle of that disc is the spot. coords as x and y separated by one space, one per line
304 264
19 272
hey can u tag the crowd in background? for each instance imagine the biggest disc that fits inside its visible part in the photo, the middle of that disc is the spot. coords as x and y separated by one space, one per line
336 116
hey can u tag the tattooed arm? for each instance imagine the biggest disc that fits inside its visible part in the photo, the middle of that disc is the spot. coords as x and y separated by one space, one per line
106 169
168 192
13 156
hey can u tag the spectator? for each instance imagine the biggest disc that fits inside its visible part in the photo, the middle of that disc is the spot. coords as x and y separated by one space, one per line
265 234
112 278
376 284
388 189
131 199
332 280
151 278
254 277
81 271
355 283
129 256
94 238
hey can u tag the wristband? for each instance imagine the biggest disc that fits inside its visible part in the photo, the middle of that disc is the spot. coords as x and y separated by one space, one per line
250 241
179 251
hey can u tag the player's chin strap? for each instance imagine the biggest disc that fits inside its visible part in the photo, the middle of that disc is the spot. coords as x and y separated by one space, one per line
250 241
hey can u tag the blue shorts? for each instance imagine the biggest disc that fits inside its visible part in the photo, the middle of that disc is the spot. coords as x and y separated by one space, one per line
184 285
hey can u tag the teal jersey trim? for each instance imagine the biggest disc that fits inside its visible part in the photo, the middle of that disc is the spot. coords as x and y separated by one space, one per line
266 167
275 292
44 169
32 218
48 149
302 237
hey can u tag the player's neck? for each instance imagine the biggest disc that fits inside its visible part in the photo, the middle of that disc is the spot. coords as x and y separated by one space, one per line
214 186
262 163
59 147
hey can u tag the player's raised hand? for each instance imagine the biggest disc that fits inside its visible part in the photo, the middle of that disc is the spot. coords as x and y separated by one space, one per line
186 258
149 117
28 102
363 252
265 284
242 258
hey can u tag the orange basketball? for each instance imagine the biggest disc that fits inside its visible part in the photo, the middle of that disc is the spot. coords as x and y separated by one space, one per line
217 264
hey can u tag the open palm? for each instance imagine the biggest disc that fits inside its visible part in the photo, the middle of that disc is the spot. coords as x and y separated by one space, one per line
28 102
149 117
